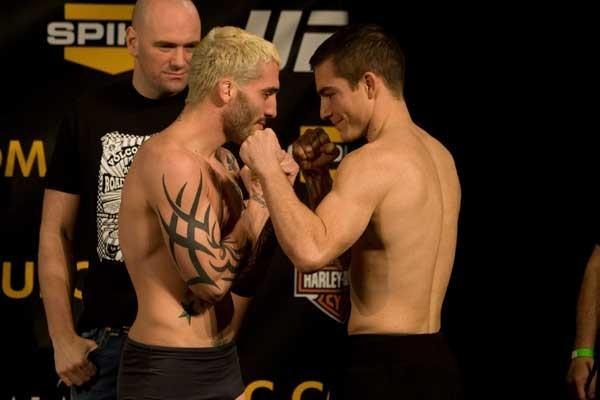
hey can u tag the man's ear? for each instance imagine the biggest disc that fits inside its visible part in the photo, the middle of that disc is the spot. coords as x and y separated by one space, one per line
370 82
226 89
131 41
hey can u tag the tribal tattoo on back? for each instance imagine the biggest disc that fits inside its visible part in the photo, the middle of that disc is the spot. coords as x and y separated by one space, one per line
223 255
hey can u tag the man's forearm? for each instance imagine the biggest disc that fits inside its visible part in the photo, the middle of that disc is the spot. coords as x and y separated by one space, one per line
298 229
215 273
55 286
587 305
587 322
318 184
256 214
58 309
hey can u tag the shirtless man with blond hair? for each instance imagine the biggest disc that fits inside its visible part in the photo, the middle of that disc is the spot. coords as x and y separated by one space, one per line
394 204
184 230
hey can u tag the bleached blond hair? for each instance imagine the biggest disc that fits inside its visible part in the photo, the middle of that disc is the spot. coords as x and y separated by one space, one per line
227 51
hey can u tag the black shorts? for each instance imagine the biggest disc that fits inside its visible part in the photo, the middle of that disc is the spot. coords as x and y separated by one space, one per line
400 367
156 372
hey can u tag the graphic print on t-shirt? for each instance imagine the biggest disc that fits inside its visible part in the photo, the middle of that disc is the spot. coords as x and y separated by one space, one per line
118 150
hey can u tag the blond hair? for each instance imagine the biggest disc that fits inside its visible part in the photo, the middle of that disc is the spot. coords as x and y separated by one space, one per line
227 51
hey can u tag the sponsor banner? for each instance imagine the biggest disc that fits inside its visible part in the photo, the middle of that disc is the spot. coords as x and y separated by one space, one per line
93 35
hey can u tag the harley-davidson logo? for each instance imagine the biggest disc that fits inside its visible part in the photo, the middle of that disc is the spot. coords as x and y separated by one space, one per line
327 289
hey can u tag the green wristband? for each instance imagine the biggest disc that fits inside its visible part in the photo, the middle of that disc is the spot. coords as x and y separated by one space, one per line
582 352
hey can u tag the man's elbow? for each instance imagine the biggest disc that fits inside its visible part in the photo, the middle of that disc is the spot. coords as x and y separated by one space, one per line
210 294
308 262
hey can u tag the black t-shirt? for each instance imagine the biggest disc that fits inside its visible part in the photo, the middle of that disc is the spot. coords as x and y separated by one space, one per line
94 150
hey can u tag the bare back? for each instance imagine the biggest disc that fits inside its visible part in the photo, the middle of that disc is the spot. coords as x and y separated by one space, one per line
169 313
402 263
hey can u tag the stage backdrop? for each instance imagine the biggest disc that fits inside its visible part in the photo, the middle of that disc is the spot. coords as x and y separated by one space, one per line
290 344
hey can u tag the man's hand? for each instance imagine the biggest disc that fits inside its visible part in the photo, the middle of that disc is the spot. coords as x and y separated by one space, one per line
261 152
314 151
71 362
289 166
578 376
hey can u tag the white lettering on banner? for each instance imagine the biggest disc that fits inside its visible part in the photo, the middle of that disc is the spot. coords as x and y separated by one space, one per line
94 35
257 22
323 280
64 33
61 33
287 28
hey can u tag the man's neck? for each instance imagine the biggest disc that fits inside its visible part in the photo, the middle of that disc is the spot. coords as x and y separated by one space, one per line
200 129
389 114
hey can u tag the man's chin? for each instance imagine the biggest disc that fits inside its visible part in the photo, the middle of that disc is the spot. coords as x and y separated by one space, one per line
241 137
174 86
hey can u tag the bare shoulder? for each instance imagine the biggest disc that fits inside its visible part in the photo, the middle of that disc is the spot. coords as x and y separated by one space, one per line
380 161
364 163
437 150
370 169
444 162
166 165
161 155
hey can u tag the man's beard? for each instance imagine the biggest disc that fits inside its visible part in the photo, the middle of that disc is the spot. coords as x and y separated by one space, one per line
239 119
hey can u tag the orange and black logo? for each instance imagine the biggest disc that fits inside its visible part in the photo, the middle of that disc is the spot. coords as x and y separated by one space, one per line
327 289
93 35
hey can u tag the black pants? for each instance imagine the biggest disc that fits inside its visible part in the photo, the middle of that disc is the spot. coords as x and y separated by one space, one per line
406 367
164 373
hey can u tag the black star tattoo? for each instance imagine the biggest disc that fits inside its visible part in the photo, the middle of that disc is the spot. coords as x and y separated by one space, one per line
188 311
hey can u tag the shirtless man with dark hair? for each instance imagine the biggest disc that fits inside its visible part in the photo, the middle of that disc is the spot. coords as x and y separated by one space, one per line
394 205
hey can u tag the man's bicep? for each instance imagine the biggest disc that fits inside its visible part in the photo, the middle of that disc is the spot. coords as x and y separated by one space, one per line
348 207
344 221
189 226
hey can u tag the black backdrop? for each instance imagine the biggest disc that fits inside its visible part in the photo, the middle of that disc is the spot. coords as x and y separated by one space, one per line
508 90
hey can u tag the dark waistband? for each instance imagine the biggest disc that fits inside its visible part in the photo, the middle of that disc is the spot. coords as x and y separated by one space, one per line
412 348
221 350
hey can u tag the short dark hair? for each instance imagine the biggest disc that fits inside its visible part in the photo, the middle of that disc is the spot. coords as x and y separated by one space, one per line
356 49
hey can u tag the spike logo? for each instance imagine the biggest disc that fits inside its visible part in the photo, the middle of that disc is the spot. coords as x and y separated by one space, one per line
93 35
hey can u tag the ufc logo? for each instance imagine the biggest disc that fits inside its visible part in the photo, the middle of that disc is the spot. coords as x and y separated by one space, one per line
286 30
